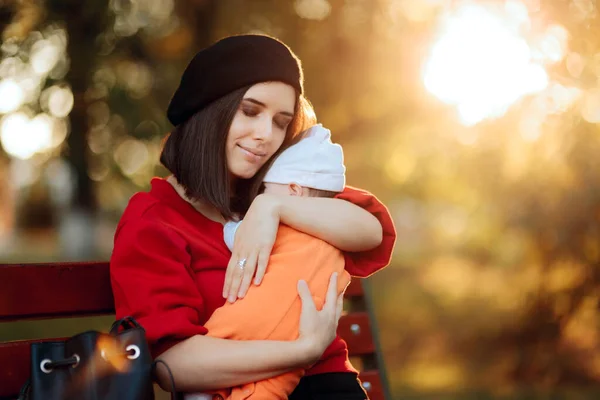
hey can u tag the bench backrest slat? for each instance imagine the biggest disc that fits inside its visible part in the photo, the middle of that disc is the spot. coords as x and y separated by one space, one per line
354 289
355 329
32 291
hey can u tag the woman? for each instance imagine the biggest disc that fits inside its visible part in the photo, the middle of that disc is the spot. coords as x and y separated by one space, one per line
239 103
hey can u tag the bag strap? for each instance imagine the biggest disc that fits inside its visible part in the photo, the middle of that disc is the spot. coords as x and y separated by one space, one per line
171 379
126 322
25 389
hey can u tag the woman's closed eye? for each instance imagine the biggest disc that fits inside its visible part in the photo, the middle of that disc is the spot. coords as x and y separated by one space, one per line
282 122
250 111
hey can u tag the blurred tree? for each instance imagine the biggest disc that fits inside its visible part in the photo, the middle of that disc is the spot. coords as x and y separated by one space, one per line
495 284
84 22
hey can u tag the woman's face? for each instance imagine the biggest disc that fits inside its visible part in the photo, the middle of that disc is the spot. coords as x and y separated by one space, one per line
259 127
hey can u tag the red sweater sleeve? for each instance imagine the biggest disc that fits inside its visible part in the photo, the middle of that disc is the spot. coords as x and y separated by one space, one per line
364 263
152 281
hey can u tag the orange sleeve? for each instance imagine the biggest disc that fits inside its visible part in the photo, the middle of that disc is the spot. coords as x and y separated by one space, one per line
152 282
364 263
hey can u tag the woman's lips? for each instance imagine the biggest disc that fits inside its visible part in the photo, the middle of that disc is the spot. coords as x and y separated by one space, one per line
253 156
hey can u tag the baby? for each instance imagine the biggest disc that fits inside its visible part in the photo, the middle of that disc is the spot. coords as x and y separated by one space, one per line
313 167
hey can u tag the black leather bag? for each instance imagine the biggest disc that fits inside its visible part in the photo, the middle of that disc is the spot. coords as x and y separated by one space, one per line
93 366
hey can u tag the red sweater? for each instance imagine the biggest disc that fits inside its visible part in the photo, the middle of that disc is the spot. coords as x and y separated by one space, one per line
168 267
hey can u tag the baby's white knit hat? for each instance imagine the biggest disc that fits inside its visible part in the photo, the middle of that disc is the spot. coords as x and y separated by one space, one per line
313 162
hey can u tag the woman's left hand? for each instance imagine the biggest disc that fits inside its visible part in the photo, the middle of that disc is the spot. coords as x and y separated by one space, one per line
252 247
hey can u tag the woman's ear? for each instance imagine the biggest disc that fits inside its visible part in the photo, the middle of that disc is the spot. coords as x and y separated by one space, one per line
295 189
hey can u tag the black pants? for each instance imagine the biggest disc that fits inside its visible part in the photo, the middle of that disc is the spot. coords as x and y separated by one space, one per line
331 386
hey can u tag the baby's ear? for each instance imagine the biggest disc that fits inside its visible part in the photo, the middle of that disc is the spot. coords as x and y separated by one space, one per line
295 189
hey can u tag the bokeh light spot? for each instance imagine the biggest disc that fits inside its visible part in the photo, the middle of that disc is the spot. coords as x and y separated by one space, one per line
482 65
11 96
316 10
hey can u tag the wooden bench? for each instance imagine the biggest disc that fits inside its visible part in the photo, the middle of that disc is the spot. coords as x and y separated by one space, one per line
42 291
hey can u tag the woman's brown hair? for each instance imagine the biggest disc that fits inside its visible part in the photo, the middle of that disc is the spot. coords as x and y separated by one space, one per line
194 152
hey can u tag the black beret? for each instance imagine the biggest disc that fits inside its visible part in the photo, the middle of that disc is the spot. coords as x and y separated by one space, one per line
230 64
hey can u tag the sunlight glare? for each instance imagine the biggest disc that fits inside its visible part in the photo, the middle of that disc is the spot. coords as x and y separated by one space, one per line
44 56
11 96
591 106
131 155
22 137
575 64
530 128
316 10
482 65
552 46
60 101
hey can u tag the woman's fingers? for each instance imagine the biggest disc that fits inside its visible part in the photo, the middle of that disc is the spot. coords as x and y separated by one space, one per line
240 270
340 303
229 275
233 273
236 280
311 330
254 240
339 308
305 296
261 268
248 274
319 327
331 296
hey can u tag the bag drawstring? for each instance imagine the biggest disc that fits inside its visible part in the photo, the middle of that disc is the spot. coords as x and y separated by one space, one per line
171 379
24 392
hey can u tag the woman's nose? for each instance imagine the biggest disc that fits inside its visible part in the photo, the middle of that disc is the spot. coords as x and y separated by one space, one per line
263 130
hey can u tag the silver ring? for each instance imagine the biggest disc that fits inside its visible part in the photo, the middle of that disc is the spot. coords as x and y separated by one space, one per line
242 263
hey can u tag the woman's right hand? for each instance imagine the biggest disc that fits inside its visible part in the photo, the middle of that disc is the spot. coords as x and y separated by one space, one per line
318 328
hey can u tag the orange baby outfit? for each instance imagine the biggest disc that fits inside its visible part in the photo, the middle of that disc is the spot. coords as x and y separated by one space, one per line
271 311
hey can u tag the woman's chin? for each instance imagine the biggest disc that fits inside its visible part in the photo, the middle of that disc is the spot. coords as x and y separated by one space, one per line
244 174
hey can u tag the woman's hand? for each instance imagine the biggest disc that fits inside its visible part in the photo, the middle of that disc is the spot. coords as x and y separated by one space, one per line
319 328
252 247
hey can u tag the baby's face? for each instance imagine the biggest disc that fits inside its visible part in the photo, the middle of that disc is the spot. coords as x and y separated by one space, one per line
291 189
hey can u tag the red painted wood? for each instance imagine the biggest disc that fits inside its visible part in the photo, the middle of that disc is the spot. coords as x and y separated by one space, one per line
35 291
66 289
354 289
374 386
360 339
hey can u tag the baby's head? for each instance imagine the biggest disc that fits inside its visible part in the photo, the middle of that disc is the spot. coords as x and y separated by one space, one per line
313 167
